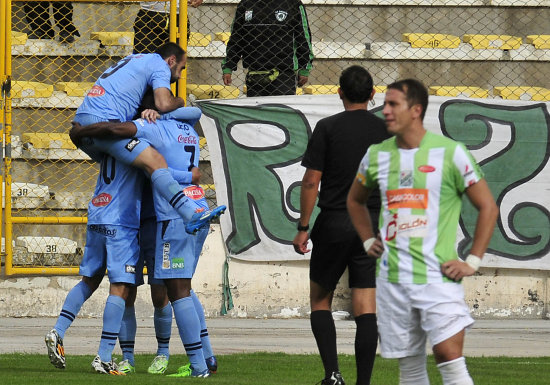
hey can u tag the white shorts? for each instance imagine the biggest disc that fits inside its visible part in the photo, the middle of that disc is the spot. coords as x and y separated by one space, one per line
408 313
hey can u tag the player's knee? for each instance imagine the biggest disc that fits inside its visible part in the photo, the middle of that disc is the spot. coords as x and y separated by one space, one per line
412 370
455 372
150 160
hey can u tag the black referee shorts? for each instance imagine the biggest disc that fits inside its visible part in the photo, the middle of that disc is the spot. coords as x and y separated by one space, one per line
336 246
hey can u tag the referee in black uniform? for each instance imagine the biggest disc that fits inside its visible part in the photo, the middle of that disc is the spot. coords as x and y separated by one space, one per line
333 154
273 39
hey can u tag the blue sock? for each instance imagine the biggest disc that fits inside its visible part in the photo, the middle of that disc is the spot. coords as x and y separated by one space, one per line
73 302
205 338
127 334
112 317
190 329
164 184
163 329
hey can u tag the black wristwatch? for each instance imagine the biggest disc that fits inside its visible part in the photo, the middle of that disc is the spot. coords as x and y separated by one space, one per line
302 228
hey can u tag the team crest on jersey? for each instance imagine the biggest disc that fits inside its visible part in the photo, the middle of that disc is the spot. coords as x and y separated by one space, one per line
406 178
281 15
132 144
96 91
247 15
194 192
102 200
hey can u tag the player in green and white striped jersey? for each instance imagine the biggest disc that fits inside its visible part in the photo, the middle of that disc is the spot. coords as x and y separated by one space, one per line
422 177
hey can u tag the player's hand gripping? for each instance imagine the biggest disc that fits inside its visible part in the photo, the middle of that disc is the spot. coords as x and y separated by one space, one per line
456 270
376 249
150 115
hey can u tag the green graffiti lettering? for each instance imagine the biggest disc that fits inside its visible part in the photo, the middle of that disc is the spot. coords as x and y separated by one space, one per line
254 183
514 164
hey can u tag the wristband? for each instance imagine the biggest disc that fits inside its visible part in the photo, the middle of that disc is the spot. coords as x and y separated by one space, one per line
302 228
368 243
473 261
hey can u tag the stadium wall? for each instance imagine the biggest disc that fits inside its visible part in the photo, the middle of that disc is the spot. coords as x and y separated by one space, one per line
274 290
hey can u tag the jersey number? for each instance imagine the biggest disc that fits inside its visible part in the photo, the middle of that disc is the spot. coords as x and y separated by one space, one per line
191 150
108 177
115 68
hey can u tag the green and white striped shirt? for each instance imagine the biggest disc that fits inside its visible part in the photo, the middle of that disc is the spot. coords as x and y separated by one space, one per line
421 191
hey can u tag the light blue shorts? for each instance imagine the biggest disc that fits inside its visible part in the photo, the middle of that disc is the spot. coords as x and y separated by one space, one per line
125 150
114 248
177 253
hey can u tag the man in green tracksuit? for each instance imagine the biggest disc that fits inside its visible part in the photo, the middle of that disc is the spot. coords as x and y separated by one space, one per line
273 39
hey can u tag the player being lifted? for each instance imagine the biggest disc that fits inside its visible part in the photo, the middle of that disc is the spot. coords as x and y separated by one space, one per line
116 97
176 257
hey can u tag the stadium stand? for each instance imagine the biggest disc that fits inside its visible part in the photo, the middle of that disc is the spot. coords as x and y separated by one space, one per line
458 91
461 48
431 40
523 93
504 42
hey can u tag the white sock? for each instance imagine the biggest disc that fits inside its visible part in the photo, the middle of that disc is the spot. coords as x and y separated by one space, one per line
455 372
412 370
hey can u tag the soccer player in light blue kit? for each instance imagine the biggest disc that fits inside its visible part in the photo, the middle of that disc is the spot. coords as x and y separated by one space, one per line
116 96
112 244
176 257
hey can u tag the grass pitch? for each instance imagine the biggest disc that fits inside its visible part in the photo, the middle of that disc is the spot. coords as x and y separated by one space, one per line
262 369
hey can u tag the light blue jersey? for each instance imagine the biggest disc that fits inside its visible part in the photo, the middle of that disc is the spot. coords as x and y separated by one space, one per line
117 196
178 142
118 92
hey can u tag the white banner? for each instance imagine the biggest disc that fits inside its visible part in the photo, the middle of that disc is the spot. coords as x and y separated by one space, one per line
256 146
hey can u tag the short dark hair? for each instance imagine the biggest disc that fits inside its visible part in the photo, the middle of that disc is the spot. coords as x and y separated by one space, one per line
415 93
356 84
169 49
147 102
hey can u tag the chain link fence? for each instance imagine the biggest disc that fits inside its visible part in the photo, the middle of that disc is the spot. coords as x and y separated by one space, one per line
473 48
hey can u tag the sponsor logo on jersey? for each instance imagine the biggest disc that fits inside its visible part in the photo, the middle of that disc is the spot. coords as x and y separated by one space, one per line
194 192
426 168
247 15
184 126
187 139
96 91
102 200
407 226
391 228
130 269
406 178
103 230
281 15
178 263
408 198
468 172
165 255
132 144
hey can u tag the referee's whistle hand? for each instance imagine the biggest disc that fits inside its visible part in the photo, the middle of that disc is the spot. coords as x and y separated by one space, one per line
300 242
